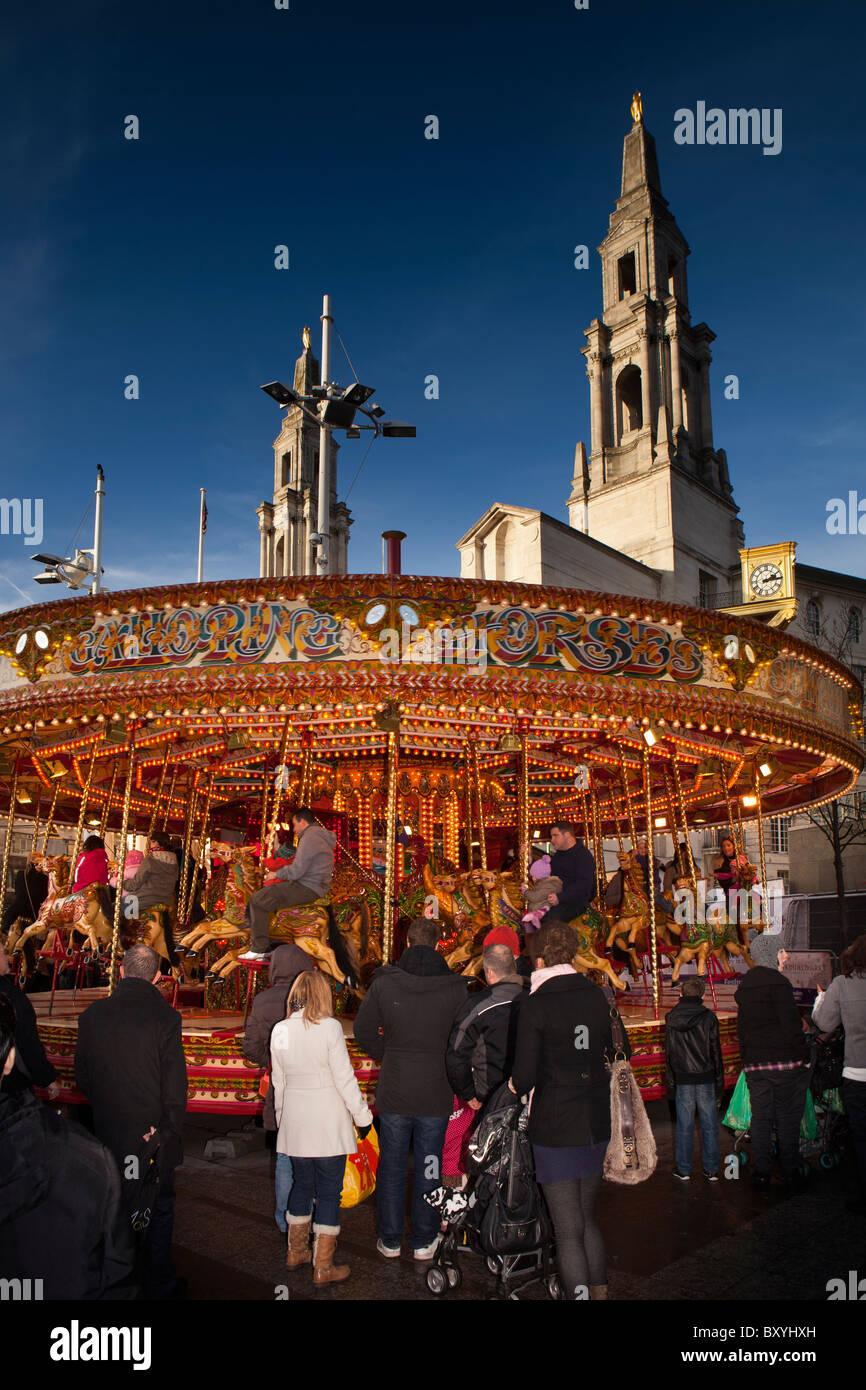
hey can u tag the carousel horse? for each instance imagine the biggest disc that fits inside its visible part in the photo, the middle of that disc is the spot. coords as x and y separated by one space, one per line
503 908
590 934
82 911
632 914
154 929
311 926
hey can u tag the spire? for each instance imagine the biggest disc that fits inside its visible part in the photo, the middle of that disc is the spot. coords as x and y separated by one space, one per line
640 168
306 367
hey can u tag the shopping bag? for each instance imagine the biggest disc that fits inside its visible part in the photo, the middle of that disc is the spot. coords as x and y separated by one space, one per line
809 1122
739 1113
359 1179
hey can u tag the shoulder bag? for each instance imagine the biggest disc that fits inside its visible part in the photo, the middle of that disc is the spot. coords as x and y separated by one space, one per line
631 1154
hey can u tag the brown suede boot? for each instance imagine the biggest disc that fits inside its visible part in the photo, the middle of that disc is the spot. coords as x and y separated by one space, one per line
597 1292
299 1244
324 1269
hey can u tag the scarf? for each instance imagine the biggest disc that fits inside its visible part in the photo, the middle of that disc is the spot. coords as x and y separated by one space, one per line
540 977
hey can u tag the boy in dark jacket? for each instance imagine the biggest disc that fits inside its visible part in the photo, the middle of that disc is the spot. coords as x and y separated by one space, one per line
695 1076
269 1009
405 1022
774 1054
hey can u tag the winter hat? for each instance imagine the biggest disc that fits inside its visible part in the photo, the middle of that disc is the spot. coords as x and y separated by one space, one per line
132 861
764 949
503 936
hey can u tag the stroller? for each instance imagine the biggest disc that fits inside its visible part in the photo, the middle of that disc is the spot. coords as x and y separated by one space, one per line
500 1214
825 1082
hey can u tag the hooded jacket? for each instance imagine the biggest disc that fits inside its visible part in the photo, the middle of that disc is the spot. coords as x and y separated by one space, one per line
154 881
61 1217
269 1009
404 1022
31 890
313 864
481 1048
693 1049
844 1001
91 867
768 1022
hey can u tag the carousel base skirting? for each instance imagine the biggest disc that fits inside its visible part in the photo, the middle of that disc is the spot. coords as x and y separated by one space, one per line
223 1082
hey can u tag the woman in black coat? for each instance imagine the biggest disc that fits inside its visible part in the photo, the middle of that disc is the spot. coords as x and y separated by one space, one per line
563 1044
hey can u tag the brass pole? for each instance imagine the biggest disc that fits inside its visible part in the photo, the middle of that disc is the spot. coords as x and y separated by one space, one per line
81 814
682 801
523 812
737 846
192 797
167 817
389 903
467 800
46 834
7 848
106 810
121 863
652 881
476 779
761 849
35 824
153 815
627 795
282 776
263 828
194 867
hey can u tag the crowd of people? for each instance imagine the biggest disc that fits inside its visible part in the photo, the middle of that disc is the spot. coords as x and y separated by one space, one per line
538 1027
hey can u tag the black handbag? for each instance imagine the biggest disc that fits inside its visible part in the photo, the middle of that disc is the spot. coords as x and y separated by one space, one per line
515 1221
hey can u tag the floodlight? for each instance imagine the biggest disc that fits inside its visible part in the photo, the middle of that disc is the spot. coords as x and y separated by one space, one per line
398 429
279 392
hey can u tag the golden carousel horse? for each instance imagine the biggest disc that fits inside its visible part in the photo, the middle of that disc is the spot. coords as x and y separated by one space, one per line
590 934
722 939
308 926
82 911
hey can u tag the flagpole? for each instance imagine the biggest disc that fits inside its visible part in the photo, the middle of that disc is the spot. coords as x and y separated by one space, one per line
201 526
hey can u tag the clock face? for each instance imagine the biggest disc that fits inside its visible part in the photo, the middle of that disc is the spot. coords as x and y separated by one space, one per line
766 580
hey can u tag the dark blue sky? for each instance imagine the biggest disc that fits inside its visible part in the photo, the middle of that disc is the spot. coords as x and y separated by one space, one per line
452 257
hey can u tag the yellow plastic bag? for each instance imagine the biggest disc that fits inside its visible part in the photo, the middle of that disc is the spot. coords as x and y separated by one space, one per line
359 1179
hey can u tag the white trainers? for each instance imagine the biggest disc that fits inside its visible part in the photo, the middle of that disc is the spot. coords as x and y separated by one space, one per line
389 1251
428 1251
254 955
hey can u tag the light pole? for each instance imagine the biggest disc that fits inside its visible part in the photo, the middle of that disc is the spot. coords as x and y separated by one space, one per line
330 407
97 532
85 566
323 554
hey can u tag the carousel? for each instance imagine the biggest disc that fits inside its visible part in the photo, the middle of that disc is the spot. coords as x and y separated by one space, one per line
431 724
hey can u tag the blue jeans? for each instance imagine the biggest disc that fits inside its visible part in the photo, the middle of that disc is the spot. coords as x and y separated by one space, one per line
426 1134
282 1187
319 1180
703 1099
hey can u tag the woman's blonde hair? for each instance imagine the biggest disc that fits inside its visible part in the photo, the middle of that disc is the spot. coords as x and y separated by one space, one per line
311 993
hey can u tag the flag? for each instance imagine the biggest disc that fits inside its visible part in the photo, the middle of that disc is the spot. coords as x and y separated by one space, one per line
203 516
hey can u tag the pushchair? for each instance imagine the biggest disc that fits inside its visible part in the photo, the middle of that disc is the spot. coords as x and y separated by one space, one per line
500 1214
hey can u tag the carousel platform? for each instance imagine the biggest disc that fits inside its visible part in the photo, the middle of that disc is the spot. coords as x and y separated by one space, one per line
223 1082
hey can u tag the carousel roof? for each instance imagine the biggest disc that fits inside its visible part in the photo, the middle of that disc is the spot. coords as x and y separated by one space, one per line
218 685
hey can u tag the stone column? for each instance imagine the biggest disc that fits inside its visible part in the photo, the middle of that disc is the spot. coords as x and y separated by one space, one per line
645 391
596 373
706 410
676 385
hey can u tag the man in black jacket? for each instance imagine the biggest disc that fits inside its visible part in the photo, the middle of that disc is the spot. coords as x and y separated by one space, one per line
481 1048
774 1055
572 862
32 1067
405 1022
269 1009
61 1217
695 1075
129 1063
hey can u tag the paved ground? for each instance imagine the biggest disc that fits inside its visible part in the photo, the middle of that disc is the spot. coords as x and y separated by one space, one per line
666 1240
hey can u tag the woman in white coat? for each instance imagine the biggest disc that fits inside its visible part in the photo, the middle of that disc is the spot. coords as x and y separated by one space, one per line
316 1098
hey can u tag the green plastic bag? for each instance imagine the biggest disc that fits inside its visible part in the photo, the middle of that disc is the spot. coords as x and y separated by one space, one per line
739 1113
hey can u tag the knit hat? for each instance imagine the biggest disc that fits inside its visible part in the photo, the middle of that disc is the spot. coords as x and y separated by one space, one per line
503 936
764 949
131 863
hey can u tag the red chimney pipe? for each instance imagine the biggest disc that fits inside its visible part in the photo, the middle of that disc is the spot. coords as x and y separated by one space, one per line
393 540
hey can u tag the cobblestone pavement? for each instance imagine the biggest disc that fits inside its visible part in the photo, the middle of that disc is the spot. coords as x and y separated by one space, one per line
665 1239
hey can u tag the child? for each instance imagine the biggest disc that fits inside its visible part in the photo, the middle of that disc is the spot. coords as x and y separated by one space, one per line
536 899
694 1075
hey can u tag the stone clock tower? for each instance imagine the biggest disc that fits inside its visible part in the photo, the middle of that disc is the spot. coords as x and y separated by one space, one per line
286 524
653 486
